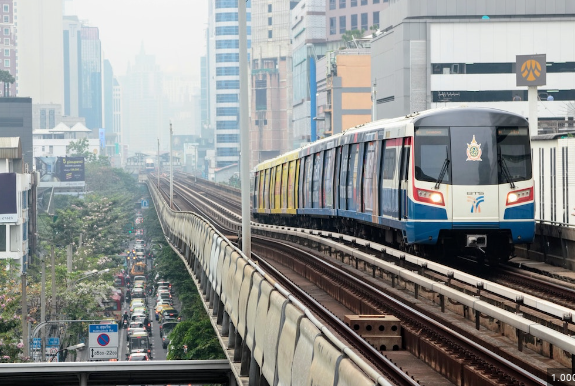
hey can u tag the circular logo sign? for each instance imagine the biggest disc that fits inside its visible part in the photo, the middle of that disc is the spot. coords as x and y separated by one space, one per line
103 339
531 70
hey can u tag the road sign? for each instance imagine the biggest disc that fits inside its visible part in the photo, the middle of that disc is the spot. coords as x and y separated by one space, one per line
52 354
36 343
55 341
103 335
103 353
145 204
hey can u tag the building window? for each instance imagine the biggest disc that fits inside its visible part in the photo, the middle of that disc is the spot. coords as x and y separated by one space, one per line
227 58
52 119
227 85
6 52
6 41
6 8
2 238
227 71
332 25
376 18
6 18
230 30
353 3
331 4
6 31
222 44
269 21
226 4
363 2
364 21
342 3
227 16
226 125
353 22
270 34
375 1
228 138
269 8
228 152
227 98
342 26
227 111
6 62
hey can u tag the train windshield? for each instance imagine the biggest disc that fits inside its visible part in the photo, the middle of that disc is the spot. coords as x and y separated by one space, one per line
472 155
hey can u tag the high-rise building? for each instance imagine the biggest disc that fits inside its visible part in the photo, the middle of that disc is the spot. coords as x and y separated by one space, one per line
142 122
223 51
39 44
308 33
72 69
8 57
91 77
271 80
352 15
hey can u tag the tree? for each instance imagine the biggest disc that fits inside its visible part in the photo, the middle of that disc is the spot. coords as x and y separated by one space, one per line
374 28
7 79
352 34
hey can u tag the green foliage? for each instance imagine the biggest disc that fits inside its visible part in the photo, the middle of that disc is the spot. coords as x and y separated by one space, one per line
6 77
196 331
349 35
10 320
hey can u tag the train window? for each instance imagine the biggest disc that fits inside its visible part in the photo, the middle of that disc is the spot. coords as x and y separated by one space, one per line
514 151
328 179
389 160
431 151
343 177
316 183
271 190
256 191
473 156
368 177
336 177
267 189
301 179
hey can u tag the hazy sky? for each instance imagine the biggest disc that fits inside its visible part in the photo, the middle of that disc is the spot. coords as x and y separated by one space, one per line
172 30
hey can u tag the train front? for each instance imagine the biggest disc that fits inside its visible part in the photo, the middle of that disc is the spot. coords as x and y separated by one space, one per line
473 186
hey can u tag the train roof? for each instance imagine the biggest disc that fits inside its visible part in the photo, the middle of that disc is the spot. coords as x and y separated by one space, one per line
444 116
552 136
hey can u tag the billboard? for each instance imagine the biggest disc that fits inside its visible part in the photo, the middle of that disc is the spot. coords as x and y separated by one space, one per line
531 70
8 203
59 172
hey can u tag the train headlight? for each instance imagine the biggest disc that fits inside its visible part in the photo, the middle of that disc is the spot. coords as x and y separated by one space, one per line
429 196
519 196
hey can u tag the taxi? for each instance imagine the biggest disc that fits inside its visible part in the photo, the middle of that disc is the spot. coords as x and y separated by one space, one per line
141 310
137 303
160 308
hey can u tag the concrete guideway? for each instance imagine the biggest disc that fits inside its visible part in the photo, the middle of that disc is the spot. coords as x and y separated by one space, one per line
241 294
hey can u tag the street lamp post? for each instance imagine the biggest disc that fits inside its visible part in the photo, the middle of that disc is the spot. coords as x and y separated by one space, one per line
75 347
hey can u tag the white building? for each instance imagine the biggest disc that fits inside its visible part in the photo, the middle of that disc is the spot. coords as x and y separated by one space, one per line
55 142
39 44
15 189
432 55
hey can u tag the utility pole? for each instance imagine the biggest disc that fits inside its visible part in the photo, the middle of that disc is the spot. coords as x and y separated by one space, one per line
69 257
244 130
374 101
43 301
25 317
158 163
171 169
53 313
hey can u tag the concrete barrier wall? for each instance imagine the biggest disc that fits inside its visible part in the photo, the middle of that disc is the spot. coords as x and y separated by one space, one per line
284 342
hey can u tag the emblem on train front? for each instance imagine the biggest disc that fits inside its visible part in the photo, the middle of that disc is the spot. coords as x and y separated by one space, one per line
473 151
475 203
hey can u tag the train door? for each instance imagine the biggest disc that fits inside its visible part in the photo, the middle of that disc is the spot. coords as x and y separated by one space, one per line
368 178
308 182
316 180
328 179
297 187
284 191
403 177
256 196
278 185
300 181
272 188
291 185
336 178
267 190
352 178
343 177
388 201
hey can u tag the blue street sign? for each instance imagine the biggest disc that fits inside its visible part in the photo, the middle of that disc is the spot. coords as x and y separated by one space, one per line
53 341
144 204
97 328
37 343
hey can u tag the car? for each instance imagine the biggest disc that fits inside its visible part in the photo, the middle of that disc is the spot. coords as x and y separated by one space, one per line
160 307
164 283
165 329
137 303
140 310
164 296
134 326
163 288
139 278
140 342
138 293
170 313
146 321
138 357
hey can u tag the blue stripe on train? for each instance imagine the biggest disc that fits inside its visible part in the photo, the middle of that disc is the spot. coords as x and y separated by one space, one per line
520 212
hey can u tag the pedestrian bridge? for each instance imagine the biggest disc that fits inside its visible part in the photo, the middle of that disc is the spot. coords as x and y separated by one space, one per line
267 335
